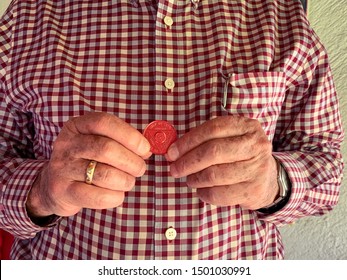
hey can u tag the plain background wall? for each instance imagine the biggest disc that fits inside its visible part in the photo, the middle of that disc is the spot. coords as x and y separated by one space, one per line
320 238
3 5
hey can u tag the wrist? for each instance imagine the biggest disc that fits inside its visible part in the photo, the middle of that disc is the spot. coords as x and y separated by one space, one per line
35 205
284 190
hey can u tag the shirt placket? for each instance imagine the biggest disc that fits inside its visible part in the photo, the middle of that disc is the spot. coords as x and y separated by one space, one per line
166 232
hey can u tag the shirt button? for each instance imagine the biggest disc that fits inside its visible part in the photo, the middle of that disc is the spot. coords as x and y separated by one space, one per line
169 84
170 233
168 21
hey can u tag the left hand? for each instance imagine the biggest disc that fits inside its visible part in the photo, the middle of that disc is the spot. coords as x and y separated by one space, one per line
229 161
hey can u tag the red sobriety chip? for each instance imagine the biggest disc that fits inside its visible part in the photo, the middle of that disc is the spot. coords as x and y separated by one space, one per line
160 134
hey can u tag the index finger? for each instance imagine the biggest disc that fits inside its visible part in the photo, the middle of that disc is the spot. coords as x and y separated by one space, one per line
110 126
221 127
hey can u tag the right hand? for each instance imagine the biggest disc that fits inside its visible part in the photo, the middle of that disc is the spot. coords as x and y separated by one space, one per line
118 148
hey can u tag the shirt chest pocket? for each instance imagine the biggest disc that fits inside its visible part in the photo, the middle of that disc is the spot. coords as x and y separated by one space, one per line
256 95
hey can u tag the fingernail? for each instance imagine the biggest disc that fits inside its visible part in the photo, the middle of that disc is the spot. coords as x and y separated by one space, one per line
173 152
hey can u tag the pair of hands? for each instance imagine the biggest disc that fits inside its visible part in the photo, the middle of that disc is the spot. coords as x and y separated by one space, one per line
228 160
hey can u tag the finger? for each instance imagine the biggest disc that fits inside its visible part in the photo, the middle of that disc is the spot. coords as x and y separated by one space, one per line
247 195
93 197
229 195
104 176
220 151
112 127
223 174
111 178
222 127
103 150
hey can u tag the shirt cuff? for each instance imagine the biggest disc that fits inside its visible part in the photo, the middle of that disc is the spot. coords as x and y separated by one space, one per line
13 205
292 210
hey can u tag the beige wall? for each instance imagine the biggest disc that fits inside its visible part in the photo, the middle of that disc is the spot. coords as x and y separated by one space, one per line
3 5
320 237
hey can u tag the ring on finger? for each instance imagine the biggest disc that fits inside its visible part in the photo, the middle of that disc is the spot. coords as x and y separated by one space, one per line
90 172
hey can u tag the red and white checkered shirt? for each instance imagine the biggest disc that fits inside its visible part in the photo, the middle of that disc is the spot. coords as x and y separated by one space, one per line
258 58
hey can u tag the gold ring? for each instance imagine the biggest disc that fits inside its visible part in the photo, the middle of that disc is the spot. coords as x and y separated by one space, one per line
90 172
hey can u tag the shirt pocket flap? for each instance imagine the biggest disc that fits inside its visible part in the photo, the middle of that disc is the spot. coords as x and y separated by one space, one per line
256 95
259 81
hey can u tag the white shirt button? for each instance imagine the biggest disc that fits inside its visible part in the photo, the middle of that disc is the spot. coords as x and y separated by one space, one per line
168 21
169 83
170 233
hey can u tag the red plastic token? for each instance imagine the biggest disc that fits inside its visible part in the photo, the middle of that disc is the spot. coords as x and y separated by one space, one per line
160 134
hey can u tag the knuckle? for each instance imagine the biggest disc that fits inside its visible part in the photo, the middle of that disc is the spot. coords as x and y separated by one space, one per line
207 195
181 166
62 148
103 175
265 145
216 126
132 164
133 167
99 119
198 180
111 177
210 176
69 125
56 165
214 149
259 143
103 146
253 124
128 182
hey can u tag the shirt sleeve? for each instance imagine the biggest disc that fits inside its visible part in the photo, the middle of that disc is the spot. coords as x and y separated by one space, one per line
308 139
18 165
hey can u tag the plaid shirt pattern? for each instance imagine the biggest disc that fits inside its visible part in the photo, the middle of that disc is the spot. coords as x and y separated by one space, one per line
259 59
